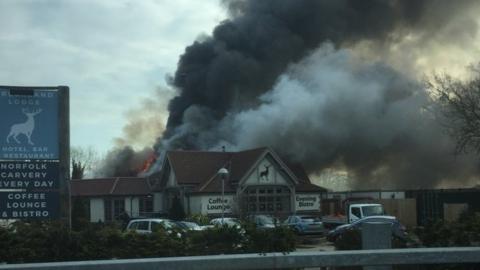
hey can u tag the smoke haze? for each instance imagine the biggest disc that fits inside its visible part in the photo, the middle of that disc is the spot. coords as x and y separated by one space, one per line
330 84
332 110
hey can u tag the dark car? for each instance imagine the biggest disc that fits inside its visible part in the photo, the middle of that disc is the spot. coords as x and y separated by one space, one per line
398 229
305 224
264 221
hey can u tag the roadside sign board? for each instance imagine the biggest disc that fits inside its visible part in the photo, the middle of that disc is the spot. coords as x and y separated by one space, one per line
29 124
34 153
29 205
29 175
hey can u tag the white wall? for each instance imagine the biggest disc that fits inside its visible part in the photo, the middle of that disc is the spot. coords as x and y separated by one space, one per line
132 206
158 200
97 210
171 179
258 176
367 194
195 204
392 195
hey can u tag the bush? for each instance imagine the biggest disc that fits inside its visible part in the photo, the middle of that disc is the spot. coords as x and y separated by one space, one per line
26 242
199 219
463 232
217 240
278 239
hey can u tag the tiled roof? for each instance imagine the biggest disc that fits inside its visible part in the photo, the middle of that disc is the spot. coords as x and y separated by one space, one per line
299 172
110 186
198 167
192 168
308 187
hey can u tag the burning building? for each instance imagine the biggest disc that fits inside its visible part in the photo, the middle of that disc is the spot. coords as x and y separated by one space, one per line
253 181
327 84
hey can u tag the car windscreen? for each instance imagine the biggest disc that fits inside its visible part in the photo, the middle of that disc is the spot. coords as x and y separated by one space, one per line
190 225
231 221
264 220
309 219
165 224
372 210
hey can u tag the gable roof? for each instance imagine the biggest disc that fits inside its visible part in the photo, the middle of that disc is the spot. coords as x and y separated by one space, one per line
197 167
200 168
118 186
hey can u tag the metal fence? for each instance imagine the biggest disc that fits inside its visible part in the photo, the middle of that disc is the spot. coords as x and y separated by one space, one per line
416 256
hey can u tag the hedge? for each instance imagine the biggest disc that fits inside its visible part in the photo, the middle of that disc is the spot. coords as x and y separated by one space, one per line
25 242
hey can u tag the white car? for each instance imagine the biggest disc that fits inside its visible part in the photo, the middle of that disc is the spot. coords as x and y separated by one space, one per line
148 225
189 226
230 222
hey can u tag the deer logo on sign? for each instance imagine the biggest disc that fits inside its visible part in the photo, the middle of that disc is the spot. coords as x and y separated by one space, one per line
264 174
26 128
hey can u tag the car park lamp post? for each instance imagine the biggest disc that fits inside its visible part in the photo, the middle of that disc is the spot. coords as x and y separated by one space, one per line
223 173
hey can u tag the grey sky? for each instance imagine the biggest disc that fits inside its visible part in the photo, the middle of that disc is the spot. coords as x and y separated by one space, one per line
112 54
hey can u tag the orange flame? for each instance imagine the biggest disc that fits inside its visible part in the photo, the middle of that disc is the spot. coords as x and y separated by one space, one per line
148 163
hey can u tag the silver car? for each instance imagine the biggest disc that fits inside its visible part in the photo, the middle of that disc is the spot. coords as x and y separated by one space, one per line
148 225
305 224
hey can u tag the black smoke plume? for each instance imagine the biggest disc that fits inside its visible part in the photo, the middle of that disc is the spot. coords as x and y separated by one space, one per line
286 74
243 87
247 53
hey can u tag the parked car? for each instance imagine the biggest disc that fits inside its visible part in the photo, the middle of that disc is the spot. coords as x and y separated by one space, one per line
227 221
263 221
398 229
189 226
305 224
149 225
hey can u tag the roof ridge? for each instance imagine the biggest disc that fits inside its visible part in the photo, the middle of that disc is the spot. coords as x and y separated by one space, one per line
114 185
213 177
218 152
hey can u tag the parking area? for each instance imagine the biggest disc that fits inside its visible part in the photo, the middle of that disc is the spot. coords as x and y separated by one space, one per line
313 243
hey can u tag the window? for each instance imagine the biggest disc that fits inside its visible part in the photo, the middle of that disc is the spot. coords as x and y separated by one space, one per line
356 212
373 210
145 206
113 208
107 207
156 226
142 225
133 226
268 200
118 207
89 213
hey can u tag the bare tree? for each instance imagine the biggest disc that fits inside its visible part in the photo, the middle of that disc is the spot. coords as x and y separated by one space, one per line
83 159
459 108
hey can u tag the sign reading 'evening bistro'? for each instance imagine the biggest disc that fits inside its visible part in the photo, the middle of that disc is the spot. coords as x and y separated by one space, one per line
30 151
307 202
